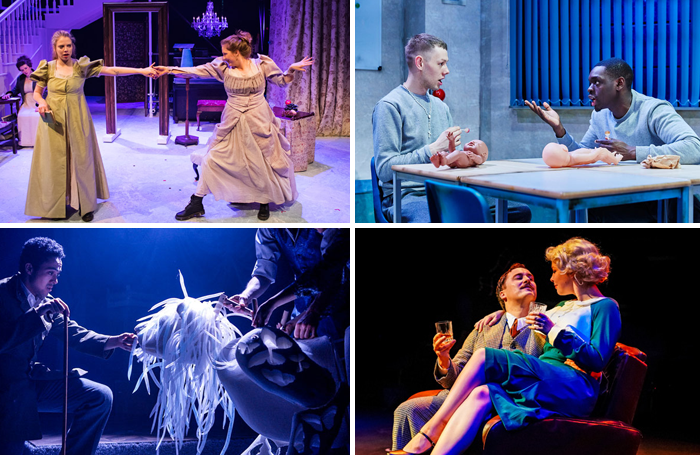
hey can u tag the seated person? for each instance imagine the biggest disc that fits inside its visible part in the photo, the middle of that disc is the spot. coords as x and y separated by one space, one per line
28 116
557 155
515 290
474 153
409 126
637 126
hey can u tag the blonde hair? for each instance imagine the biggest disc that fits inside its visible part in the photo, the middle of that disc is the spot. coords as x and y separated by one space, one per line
240 42
54 40
580 258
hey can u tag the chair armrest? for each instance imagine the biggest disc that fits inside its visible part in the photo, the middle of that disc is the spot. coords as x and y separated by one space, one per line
426 393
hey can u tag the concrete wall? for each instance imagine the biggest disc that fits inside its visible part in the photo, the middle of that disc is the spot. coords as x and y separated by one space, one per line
478 86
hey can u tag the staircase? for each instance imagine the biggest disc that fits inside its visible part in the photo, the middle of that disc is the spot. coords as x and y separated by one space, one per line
26 27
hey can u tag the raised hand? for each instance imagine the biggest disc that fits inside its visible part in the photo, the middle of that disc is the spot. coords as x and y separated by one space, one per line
299 66
548 115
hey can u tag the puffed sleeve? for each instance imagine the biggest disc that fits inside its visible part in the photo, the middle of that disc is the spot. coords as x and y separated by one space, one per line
41 74
214 69
90 68
271 71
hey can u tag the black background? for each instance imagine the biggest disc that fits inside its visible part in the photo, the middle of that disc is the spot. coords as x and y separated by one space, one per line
410 278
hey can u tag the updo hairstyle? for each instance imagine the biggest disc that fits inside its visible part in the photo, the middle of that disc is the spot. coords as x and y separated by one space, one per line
240 42
54 40
581 259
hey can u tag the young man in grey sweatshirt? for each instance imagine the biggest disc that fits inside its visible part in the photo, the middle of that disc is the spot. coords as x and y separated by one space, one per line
409 126
639 126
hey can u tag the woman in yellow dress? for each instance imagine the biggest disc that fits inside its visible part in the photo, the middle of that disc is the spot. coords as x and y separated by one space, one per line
67 167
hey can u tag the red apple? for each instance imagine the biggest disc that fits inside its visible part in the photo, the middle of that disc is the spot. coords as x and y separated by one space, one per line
439 93
288 102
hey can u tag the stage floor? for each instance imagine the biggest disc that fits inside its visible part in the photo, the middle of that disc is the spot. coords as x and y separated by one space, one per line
373 435
149 183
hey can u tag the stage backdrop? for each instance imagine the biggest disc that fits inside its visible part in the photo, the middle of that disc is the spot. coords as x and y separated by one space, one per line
318 29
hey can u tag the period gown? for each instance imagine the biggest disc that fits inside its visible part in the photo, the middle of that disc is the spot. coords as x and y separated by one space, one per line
247 158
67 165
27 118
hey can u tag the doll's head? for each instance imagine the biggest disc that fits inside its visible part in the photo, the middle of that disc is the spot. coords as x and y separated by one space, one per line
555 155
478 147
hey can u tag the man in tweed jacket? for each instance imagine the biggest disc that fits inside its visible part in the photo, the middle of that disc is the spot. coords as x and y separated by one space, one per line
515 290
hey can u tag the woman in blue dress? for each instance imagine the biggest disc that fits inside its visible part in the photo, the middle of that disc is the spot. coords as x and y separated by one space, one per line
564 380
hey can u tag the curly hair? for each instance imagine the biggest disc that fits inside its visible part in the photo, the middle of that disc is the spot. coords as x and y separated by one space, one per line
581 259
23 60
241 42
38 250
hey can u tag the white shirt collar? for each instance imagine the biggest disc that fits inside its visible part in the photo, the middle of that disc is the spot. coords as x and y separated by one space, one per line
30 297
510 319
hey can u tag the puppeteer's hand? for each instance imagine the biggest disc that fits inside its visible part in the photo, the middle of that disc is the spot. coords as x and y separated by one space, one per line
238 305
548 115
124 341
304 326
628 152
52 307
489 320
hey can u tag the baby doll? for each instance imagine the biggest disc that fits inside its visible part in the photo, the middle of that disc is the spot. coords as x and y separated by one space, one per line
474 153
557 155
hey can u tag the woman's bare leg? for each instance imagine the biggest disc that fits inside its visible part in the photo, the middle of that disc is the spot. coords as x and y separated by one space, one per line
471 376
465 422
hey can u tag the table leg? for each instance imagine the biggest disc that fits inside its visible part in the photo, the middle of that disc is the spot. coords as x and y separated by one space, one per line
397 200
581 216
501 211
685 206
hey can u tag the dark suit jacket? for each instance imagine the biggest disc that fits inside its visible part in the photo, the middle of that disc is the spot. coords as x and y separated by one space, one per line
22 333
17 86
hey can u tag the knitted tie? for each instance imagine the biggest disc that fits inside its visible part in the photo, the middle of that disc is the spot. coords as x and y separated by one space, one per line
514 329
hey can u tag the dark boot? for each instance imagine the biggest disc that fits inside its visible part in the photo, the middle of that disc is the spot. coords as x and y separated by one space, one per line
89 216
264 212
194 208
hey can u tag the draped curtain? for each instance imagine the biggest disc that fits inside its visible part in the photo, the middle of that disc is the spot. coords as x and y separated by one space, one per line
555 43
319 29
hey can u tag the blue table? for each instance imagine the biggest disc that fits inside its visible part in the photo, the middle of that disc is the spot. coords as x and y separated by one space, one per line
569 191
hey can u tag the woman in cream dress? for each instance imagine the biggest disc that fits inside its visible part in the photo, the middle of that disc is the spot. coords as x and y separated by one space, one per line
248 158
67 167
28 115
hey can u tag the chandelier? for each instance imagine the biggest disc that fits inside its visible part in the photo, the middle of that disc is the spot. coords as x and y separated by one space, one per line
209 24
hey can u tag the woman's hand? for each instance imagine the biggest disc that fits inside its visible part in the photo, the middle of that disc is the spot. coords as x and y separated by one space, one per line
43 107
150 71
539 321
489 320
299 66
6 96
442 343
